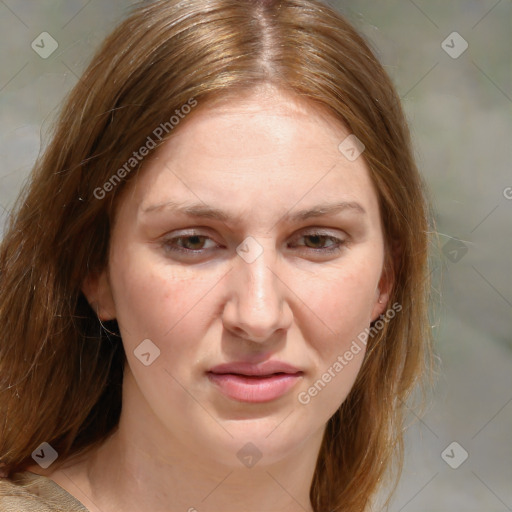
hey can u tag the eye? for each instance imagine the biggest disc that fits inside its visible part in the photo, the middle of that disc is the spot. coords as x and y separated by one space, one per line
197 245
323 243
191 244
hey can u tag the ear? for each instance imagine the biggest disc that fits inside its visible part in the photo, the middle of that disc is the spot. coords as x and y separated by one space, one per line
96 288
386 283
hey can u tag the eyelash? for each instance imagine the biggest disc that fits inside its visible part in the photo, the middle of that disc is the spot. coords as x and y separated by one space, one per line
169 246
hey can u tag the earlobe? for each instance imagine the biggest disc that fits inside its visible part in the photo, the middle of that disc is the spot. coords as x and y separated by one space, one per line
383 292
380 304
97 290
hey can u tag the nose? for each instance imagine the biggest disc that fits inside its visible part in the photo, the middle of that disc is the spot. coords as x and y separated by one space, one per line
258 305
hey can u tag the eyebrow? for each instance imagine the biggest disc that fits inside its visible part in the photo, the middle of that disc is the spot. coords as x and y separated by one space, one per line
202 210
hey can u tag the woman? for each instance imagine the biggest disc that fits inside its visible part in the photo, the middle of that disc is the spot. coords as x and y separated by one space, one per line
214 287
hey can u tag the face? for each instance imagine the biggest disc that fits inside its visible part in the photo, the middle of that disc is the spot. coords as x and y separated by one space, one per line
249 240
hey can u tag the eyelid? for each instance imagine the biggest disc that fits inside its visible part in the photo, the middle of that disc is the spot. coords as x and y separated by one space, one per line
179 236
206 232
338 243
319 232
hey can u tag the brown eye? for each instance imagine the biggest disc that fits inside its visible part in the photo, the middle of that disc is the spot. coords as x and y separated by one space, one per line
321 242
189 245
193 242
317 240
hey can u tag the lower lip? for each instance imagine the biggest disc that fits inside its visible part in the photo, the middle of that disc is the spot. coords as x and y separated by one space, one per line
254 389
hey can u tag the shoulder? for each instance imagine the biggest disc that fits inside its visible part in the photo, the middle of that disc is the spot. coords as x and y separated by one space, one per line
28 492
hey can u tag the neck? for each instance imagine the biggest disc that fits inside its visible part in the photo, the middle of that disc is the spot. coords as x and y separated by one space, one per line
136 479
142 466
126 475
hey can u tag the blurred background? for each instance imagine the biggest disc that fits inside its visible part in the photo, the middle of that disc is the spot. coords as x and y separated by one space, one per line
451 63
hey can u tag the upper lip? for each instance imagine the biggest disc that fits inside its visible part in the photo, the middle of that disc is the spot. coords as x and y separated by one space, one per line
245 368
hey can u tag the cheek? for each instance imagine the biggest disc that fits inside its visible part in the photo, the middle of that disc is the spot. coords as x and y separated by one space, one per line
341 299
156 301
342 302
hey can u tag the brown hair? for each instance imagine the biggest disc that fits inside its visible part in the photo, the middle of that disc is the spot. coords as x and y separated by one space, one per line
60 370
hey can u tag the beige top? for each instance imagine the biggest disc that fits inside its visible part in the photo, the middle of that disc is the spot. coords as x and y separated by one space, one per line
28 492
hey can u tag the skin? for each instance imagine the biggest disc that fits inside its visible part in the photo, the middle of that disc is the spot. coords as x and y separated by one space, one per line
258 157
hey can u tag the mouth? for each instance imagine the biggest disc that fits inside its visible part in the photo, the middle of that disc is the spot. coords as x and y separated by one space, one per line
245 382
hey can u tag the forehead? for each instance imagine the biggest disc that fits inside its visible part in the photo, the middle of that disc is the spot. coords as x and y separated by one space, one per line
263 151
266 119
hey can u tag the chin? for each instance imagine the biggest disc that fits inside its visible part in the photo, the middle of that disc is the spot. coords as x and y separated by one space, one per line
264 441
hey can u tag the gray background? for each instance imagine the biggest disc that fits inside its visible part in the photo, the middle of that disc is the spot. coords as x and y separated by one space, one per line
460 111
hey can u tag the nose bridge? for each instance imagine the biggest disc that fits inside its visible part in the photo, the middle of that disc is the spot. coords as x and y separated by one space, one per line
259 296
257 281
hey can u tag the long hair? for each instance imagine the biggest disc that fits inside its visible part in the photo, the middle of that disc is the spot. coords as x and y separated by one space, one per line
60 370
